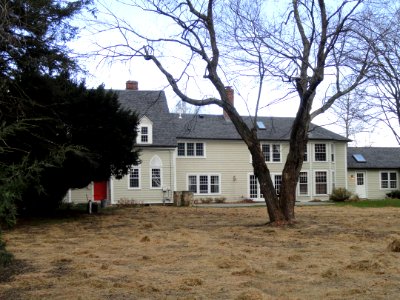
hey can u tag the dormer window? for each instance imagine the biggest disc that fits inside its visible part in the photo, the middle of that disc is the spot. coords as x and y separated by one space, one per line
144 134
145 131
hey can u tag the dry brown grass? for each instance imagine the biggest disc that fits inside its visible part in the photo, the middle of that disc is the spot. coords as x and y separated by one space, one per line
207 253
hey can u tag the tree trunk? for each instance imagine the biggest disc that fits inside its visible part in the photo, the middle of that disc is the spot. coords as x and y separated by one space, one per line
295 158
267 188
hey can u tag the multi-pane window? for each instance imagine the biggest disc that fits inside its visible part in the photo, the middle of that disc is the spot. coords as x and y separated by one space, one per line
272 152
305 153
254 190
320 152
191 149
321 183
277 184
388 180
254 186
360 178
155 178
204 184
192 182
199 149
134 178
303 183
333 150
144 134
181 149
214 184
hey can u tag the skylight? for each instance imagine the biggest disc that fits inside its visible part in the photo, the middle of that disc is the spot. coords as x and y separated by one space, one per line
359 157
260 125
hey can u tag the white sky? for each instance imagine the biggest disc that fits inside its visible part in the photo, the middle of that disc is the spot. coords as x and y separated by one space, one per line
114 75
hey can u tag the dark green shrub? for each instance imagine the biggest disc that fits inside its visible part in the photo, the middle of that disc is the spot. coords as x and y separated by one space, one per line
5 256
340 194
394 194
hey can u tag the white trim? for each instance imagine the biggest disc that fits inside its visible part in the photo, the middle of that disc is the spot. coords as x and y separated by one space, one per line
145 122
138 167
308 184
364 172
194 156
328 187
388 188
208 183
333 152
271 152
326 153
151 178
112 198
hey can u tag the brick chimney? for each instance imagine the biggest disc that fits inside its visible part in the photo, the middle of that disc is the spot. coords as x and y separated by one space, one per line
132 85
231 97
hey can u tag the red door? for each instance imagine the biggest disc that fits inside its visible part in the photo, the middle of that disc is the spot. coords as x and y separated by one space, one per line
100 190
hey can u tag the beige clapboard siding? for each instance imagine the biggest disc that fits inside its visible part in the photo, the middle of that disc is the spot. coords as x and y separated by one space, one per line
341 164
82 195
231 160
372 181
225 158
146 194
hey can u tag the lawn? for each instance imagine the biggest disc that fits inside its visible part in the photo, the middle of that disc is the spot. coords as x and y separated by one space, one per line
372 203
159 252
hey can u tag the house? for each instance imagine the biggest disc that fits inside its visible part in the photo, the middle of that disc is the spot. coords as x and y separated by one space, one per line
373 171
204 154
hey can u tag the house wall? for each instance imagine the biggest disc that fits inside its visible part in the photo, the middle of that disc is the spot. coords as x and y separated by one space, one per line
232 162
147 194
82 195
372 183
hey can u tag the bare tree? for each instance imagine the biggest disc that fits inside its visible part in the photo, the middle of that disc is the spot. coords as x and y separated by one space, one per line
385 75
355 114
307 44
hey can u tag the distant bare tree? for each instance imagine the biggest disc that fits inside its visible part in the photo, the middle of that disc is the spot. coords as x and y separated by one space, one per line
302 45
385 77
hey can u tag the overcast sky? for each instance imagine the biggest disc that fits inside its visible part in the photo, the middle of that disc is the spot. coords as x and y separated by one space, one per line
114 74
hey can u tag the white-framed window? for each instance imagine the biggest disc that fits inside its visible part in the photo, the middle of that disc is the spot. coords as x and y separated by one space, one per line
277 183
333 152
320 152
254 186
155 172
134 178
191 149
205 184
321 182
388 179
144 134
145 131
303 183
272 152
305 158
155 178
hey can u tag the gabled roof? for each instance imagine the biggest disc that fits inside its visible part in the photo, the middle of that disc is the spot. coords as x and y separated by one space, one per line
168 127
375 157
153 105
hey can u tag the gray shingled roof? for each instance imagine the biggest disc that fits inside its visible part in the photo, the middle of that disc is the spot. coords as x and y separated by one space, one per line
376 158
153 105
216 127
168 127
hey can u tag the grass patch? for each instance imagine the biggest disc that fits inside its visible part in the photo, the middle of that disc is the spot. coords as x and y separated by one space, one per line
372 203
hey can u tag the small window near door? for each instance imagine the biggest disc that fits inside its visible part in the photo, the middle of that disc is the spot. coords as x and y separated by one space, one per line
360 178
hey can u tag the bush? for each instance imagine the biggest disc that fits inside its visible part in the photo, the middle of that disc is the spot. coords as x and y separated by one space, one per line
340 194
5 256
394 194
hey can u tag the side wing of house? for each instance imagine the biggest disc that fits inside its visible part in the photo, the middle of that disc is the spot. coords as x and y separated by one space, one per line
373 171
